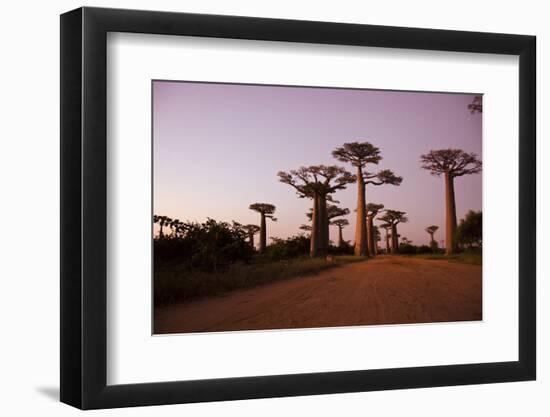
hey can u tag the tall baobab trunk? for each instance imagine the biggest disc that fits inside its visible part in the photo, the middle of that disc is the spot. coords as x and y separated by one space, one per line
314 236
251 239
263 238
450 215
394 239
326 224
323 225
387 241
360 226
370 234
340 237
433 243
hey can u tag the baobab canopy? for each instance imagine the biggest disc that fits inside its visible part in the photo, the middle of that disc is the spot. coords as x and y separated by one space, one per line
454 162
317 182
432 229
358 153
392 217
333 211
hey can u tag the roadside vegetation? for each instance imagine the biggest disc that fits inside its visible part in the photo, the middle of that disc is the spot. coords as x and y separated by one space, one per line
472 258
193 260
176 283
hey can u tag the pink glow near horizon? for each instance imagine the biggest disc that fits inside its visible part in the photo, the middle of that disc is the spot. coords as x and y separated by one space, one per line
218 148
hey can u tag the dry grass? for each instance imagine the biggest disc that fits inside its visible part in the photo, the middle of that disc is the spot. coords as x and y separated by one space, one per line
463 258
176 284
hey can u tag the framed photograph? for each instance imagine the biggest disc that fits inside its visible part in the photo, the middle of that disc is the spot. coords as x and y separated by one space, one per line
259 208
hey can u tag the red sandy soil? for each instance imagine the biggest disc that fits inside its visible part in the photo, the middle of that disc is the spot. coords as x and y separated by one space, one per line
385 290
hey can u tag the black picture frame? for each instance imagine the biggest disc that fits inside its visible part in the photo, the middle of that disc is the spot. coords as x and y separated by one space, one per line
84 207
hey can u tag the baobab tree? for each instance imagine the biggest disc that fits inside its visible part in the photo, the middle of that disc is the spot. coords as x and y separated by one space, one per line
317 182
431 231
393 218
452 163
333 178
333 211
377 238
359 155
266 211
387 228
251 230
340 223
372 211
304 183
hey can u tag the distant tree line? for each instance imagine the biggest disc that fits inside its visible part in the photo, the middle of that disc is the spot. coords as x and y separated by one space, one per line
210 246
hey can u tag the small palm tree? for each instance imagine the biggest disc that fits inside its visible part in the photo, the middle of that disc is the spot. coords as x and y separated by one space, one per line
174 225
162 221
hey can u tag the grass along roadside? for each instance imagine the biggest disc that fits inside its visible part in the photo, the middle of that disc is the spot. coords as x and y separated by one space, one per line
175 284
463 258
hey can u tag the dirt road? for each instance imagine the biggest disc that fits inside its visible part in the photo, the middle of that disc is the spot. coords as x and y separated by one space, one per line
386 290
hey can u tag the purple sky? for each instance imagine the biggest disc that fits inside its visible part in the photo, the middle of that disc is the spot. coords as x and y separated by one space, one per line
218 148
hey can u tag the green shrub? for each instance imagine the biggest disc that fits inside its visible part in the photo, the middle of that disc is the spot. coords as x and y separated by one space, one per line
423 249
344 249
209 246
292 247
469 231
407 249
